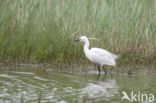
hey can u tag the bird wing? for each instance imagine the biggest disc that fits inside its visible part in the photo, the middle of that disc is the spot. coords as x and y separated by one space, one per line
103 52
102 56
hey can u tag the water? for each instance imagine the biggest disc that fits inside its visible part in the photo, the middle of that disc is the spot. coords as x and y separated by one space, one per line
36 85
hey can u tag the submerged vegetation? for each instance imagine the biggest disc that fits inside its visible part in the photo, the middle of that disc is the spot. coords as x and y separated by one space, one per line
41 30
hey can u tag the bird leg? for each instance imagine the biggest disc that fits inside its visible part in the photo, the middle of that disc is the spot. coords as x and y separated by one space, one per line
99 69
105 70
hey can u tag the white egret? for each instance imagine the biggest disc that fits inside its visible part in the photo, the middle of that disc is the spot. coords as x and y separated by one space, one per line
98 56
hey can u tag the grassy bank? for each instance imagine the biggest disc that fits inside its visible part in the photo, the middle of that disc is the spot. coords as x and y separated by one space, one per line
41 30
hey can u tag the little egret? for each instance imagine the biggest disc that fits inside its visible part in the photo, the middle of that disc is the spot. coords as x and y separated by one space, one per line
98 56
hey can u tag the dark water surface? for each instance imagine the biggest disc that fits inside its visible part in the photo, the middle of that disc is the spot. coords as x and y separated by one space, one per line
51 86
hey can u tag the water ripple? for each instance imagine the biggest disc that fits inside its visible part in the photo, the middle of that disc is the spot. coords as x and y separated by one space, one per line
100 89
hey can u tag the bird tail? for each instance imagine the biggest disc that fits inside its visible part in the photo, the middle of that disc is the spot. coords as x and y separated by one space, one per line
115 56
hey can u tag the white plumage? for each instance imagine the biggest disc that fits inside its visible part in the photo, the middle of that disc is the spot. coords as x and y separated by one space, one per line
103 57
98 55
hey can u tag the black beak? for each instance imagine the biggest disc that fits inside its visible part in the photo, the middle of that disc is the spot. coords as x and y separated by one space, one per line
76 40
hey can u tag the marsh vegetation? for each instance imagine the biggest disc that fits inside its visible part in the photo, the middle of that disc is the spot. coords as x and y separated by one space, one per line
41 30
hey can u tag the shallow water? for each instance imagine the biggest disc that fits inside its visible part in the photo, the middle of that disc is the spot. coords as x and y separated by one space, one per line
31 86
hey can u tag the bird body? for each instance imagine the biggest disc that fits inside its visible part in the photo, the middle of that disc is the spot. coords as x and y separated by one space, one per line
103 57
97 55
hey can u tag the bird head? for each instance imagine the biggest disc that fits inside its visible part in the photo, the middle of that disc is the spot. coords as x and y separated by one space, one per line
82 38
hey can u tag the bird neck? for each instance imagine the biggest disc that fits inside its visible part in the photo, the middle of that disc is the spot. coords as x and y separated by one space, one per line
86 46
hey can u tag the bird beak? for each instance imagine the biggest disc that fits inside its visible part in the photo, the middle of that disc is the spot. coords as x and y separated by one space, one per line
76 40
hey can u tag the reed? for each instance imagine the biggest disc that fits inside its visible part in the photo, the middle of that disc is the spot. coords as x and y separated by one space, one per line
41 30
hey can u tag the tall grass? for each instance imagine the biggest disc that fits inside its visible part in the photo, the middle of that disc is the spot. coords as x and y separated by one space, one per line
41 30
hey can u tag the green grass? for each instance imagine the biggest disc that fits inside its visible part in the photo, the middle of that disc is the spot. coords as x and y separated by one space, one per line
41 30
